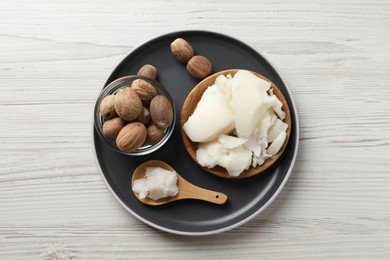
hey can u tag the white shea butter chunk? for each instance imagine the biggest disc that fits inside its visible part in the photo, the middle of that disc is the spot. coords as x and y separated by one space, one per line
277 144
234 160
158 183
230 142
141 188
249 100
208 154
211 118
277 106
237 160
265 123
225 84
247 104
278 127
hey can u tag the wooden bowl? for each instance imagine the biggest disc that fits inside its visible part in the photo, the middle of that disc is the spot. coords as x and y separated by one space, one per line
189 107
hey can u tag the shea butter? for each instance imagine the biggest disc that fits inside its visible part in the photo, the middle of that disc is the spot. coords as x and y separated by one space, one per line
238 123
212 117
158 183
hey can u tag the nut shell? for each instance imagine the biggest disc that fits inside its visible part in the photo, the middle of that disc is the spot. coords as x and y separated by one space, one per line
154 134
144 117
144 90
182 50
128 104
148 71
199 67
112 127
107 107
131 137
161 111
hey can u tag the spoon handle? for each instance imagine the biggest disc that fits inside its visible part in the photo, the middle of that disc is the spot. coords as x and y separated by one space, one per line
195 192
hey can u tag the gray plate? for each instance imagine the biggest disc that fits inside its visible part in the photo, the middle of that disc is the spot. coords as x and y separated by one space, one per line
247 197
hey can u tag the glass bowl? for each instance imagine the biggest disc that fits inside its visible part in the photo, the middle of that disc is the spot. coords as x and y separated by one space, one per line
114 87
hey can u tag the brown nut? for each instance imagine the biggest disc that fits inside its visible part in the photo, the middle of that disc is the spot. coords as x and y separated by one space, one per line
131 137
148 71
161 111
107 108
154 134
144 90
144 117
127 103
182 50
112 127
199 67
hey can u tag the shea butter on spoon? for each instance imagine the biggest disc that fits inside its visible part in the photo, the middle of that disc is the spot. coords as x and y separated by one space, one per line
156 183
235 119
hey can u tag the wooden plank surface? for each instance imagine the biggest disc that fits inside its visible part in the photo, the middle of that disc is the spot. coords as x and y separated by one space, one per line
55 56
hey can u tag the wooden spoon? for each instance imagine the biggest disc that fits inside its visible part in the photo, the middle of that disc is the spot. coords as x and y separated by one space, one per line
186 189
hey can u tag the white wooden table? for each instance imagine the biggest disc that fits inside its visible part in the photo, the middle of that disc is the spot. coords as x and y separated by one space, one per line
55 56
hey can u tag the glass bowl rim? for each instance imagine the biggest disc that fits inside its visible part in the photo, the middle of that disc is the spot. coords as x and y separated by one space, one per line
115 86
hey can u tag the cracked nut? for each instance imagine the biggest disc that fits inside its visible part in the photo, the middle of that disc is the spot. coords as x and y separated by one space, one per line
107 108
144 117
112 127
128 104
182 50
199 67
148 71
131 137
154 134
161 111
144 90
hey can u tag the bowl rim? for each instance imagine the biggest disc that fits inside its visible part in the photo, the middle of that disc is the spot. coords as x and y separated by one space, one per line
115 86
218 170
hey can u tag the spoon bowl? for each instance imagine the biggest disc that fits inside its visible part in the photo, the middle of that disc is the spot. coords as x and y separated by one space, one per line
187 190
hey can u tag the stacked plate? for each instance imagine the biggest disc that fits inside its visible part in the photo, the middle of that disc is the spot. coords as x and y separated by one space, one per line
248 196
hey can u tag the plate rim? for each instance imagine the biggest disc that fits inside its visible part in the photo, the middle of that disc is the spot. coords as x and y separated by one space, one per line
239 223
